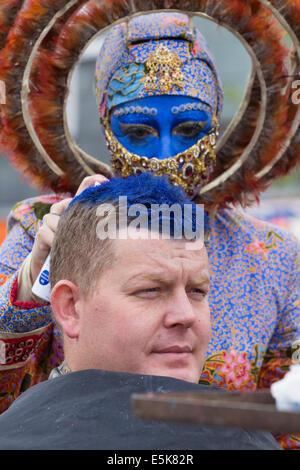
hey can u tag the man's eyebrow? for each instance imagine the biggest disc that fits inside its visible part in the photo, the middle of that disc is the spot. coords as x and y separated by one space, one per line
163 278
203 278
149 277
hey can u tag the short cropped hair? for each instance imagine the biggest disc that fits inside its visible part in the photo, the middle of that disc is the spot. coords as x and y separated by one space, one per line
80 255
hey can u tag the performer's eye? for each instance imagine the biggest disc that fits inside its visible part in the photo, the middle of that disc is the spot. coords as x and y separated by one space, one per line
190 129
138 132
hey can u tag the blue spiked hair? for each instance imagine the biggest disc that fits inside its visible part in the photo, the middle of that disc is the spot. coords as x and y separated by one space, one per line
144 188
149 191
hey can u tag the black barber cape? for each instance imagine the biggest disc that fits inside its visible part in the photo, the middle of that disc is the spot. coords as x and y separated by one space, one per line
91 409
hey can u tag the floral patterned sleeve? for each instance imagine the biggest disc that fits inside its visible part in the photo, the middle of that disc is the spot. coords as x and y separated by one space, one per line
284 346
26 328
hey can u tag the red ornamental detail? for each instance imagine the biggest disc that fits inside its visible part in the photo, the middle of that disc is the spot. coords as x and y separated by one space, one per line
188 172
207 159
15 351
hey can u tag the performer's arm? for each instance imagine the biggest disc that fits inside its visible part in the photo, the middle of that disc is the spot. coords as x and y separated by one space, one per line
281 353
25 326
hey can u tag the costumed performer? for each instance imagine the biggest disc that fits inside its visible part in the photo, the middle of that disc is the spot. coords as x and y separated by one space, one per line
160 101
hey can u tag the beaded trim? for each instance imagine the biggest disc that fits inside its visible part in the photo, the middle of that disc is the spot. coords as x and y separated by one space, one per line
17 348
135 109
190 106
190 169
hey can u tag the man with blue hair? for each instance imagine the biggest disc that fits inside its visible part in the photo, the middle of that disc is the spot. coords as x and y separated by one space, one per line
151 303
133 311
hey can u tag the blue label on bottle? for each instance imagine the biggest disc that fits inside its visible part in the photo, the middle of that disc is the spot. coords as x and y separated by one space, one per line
44 278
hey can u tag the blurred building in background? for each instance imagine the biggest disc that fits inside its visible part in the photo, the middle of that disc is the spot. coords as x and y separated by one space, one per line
280 204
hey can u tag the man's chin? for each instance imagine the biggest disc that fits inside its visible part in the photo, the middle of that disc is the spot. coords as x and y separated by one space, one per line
176 366
187 376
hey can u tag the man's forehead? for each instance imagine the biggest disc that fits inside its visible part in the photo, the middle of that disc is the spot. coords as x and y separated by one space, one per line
159 253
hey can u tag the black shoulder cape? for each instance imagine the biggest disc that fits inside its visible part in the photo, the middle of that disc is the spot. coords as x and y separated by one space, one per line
91 409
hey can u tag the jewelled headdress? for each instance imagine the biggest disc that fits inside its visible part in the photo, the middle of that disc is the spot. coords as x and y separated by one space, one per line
155 54
159 54
42 41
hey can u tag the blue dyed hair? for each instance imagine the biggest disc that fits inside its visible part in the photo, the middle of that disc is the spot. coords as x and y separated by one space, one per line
147 190
142 189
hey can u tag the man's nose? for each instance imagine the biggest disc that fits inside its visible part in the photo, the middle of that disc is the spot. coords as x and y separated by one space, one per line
180 311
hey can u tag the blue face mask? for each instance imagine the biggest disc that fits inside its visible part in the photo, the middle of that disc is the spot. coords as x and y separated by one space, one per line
161 126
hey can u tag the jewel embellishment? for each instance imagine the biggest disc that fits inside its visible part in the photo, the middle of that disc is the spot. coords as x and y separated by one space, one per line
189 106
135 109
188 171
162 71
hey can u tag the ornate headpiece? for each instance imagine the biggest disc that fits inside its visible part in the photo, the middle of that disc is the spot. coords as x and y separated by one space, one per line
153 55
163 71
42 41
159 54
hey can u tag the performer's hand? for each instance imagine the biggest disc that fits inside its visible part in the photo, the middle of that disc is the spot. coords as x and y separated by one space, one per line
44 237
45 234
90 181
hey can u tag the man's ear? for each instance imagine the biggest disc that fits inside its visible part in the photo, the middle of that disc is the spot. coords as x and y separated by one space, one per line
63 300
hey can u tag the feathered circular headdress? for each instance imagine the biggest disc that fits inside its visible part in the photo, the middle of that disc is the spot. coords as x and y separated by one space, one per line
41 42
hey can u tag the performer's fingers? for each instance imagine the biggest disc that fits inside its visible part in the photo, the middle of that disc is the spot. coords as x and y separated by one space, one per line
90 181
51 220
58 208
43 240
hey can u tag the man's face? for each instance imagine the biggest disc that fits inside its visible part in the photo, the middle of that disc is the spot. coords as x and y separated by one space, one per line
149 312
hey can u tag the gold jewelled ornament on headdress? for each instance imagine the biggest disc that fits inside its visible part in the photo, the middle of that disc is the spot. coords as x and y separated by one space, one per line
190 169
162 71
